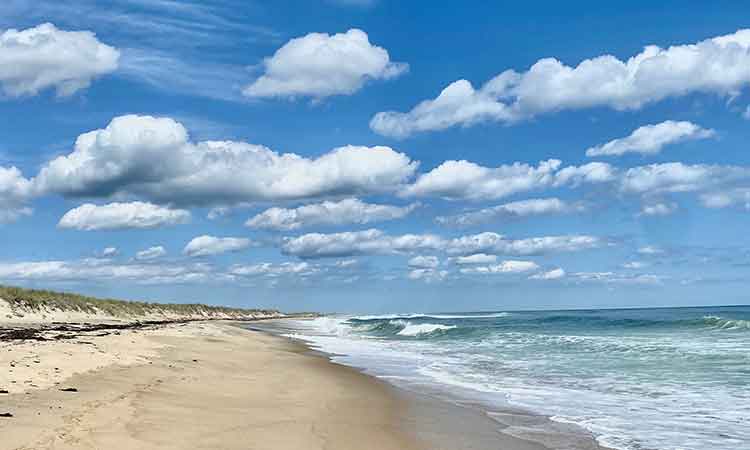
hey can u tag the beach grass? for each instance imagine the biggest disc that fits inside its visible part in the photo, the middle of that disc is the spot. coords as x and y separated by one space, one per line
31 300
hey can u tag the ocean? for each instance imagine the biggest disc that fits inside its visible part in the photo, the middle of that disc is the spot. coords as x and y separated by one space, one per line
637 379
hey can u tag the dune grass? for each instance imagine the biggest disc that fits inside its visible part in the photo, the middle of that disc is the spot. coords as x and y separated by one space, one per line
30 300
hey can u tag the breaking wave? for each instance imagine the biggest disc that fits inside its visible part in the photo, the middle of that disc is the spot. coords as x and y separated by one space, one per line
726 324
419 329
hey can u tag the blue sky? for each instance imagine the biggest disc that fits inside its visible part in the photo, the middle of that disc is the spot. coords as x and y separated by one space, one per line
353 155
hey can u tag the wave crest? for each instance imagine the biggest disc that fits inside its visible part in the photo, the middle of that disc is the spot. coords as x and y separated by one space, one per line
717 322
421 329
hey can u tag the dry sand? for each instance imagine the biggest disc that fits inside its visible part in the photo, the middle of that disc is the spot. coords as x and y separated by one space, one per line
190 386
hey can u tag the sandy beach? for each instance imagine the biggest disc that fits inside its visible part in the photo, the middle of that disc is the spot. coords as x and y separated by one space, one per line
210 385
197 385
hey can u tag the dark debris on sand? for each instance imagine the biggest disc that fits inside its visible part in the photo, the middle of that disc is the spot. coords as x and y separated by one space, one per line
58 331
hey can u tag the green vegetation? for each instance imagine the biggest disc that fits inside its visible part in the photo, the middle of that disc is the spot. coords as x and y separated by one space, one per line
31 300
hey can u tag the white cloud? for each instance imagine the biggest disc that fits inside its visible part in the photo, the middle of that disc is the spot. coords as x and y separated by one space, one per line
349 243
102 270
658 209
424 262
211 245
172 73
510 211
109 252
727 198
154 158
319 65
554 274
679 177
650 250
614 278
428 275
718 65
151 253
510 266
15 191
44 57
373 241
346 263
650 139
273 270
466 180
118 216
493 243
347 211
634 265
478 258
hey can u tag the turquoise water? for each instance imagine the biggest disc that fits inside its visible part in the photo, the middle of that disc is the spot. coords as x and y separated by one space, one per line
637 379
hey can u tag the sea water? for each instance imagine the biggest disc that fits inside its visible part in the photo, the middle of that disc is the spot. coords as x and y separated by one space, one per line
663 379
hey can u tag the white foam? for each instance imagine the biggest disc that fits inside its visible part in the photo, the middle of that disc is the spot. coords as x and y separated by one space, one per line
727 324
416 329
667 403
432 316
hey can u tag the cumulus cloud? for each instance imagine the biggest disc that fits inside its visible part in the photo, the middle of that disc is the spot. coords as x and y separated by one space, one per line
466 180
511 211
554 274
45 57
347 211
151 253
154 158
510 266
424 262
679 177
118 216
478 258
15 192
718 65
658 209
373 241
320 65
210 245
650 139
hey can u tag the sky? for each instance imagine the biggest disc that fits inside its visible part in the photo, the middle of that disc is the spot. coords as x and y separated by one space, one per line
375 155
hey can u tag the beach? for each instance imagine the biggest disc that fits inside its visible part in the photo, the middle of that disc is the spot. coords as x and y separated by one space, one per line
209 385
196 385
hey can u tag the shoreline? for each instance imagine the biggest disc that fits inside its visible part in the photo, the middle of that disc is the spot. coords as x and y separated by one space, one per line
507 428
219 384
